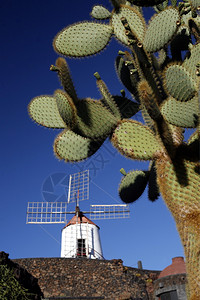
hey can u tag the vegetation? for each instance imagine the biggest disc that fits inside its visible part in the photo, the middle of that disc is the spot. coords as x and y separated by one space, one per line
10 287
161 71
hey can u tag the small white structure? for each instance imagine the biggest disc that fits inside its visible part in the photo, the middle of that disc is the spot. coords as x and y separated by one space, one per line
80 238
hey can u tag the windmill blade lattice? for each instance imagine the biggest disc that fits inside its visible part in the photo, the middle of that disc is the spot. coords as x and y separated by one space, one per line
46 212
114 211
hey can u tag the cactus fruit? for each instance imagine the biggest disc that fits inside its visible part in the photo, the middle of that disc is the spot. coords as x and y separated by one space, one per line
161 71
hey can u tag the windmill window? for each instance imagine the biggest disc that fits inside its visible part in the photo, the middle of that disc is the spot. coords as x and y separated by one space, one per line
81 250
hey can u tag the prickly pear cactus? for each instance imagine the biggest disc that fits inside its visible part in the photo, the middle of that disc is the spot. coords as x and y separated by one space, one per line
161 70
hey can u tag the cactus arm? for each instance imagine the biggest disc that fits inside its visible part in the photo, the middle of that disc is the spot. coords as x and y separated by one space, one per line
63 71
107 100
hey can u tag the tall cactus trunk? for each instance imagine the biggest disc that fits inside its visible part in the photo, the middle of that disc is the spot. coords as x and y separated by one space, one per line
178 187
190 233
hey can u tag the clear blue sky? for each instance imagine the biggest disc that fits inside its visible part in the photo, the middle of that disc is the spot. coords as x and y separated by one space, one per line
27 159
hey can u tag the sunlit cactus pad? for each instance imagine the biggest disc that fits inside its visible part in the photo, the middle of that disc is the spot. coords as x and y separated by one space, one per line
135 140
135 21
100 12
73 147
94 120
82 39
182 114
161 29
44 111
179 84
133 185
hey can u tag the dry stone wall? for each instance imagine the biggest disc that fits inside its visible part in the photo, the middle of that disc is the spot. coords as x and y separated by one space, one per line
71 278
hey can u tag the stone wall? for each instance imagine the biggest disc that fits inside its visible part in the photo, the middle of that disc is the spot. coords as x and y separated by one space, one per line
72 278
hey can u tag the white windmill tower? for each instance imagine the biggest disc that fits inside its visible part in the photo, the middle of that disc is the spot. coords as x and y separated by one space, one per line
80 236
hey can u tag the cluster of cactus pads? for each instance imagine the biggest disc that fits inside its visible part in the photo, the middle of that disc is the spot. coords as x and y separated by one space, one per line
160 68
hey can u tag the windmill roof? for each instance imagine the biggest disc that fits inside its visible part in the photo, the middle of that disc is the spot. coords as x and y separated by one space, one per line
81 219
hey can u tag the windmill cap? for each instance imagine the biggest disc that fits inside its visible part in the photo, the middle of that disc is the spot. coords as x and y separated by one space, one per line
82 219
177 267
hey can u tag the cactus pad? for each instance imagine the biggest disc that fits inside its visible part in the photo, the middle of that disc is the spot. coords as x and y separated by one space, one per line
135 21
73 148
133 185
146 2
161 29
123 73
66 107
135 140
82 39
94 120
179 84
126 107
153 189
192 60
100 12
108 100
181 114
44 111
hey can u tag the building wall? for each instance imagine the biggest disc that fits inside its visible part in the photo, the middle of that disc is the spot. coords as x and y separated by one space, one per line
101 279
171 283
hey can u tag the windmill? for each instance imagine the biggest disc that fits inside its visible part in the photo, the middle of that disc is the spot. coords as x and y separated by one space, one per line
80 236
